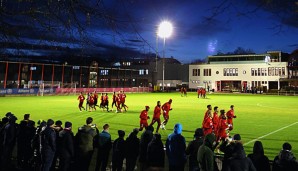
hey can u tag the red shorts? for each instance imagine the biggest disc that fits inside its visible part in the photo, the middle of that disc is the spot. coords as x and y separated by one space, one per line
156 120
166 116
143 123
81 104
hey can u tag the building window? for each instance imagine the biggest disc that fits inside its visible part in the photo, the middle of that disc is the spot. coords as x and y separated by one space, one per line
283 72
196 72
270 71
104 72
230 71
207 72
143 72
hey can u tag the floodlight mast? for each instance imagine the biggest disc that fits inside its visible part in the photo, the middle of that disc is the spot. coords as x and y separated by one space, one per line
165 30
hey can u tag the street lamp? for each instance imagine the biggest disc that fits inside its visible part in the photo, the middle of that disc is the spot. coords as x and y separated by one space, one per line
164 31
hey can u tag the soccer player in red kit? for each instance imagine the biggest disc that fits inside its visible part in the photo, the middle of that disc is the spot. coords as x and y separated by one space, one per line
156 116
143 118
208 112
222 127
118 103
91 102
81 99
95 96
114 100
203 91
208 125
122 99
230 116
166 107
215 119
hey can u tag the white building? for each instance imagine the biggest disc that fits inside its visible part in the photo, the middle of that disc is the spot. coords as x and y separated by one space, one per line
239 72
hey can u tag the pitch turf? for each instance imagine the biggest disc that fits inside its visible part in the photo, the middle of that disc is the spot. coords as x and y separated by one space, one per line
271 119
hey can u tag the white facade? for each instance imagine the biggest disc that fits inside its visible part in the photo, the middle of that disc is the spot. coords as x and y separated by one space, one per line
229 76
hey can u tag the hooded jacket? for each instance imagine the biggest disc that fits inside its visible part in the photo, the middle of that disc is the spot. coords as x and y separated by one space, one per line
206 155
285 161
260 161
175 147
239 161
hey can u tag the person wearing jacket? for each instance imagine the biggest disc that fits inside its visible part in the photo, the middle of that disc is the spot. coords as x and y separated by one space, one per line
192 149
175 149
206 155
260 161
47 145
118 154
103 148
132 147
285 160
155 152
84 140
239 161
66 147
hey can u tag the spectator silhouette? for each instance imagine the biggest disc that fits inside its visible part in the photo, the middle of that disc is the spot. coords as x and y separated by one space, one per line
146 137
192 149
47 145
118 152
84 140
239 161
175 149
206 155
132 149
285 160
155 152
66 143
260 161
9 141
104 146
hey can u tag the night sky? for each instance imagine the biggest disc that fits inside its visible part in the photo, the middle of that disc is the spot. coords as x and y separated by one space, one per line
128 27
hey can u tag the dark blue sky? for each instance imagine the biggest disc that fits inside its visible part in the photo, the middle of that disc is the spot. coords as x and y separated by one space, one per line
201 28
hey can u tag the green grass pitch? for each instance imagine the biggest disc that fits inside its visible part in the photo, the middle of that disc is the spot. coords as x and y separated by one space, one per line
271 119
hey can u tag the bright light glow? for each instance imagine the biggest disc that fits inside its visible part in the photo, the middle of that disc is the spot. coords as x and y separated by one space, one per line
165 29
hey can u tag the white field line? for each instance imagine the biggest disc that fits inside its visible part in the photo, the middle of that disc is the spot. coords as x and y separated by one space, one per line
270 133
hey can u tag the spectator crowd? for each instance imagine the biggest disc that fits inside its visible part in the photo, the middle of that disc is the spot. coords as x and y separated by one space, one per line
49 145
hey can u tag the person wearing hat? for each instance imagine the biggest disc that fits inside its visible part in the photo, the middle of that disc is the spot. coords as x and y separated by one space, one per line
66 144
193 147
132 147
118 153
47 145
175 149
285 160
156 116
230 116
166 107
144 118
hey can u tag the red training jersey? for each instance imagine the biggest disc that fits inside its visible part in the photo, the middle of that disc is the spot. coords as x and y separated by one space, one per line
157 111
81 98
230 116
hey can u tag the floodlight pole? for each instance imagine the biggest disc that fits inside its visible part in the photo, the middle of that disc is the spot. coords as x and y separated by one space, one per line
163 64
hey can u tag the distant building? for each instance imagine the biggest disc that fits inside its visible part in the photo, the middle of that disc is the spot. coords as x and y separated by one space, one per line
235 73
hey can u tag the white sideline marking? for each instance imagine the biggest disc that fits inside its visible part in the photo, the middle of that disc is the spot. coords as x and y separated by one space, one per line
269 133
